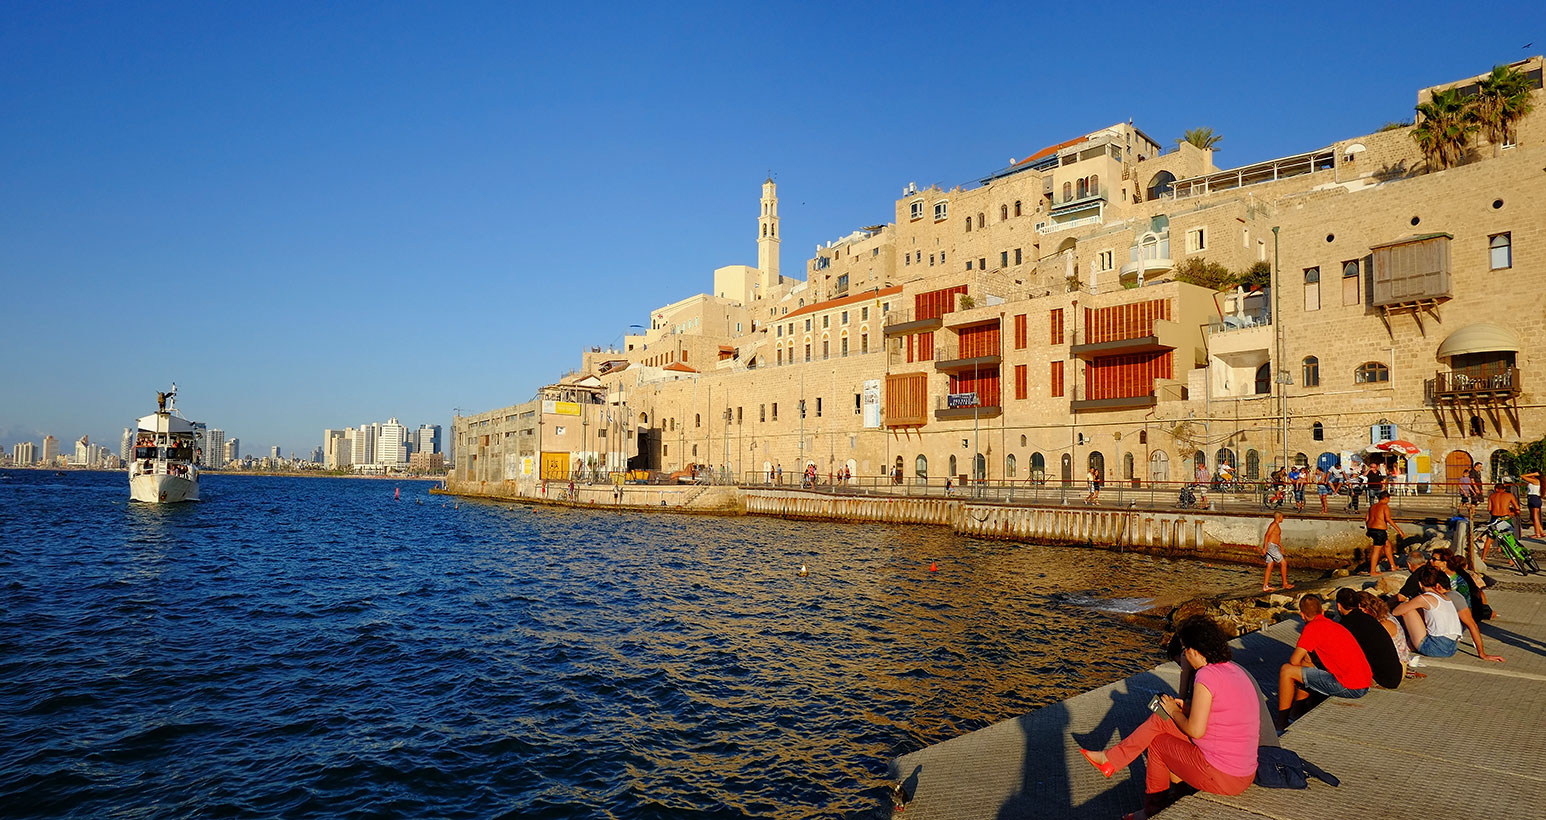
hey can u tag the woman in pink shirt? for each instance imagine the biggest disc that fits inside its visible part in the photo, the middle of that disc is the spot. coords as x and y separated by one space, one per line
1210 742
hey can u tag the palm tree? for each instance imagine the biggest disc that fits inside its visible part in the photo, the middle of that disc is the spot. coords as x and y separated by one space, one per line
1203 138
1444 129
1502 99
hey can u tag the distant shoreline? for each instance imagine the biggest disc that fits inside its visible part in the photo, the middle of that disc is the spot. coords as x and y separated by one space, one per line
282 474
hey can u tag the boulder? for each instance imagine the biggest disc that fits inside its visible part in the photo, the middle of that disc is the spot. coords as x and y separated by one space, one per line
1389 584
1340 573
1279 599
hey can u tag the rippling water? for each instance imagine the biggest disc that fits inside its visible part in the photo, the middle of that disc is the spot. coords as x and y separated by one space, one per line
313 648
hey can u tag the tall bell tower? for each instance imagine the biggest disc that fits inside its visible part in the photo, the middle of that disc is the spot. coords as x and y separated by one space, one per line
767 237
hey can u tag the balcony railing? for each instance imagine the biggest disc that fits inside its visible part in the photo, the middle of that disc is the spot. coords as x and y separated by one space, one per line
1472 385
1243 321
951 356
988 407
1054 227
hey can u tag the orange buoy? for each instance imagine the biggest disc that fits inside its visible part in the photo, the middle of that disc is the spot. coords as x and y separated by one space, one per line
397 493
933 567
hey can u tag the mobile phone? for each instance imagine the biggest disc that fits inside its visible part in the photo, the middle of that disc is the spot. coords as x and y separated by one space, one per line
1158 708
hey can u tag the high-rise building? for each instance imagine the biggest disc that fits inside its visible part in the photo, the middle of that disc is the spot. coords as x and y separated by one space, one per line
389 445
337 448
427 439
82 451
200 441
364 449
214 453
273 452
316 455
233 450
127 443
50 450
24 454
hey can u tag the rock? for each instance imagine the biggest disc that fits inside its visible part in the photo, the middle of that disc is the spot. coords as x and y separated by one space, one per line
1436 544
1390 583
1278 599
1340 573
1188 609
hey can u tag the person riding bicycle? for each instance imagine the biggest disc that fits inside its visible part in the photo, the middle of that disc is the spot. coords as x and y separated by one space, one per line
1503 506
1226 477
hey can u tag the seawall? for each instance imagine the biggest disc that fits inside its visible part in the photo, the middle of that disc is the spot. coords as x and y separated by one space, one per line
1313 542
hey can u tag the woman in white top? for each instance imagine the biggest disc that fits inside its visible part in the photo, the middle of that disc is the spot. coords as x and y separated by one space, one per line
1533 497
1375 607
1432 624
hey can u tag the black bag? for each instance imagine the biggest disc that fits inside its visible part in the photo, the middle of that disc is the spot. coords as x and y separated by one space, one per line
1279 768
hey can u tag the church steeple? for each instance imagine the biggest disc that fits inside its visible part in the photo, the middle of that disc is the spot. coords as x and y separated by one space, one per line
767 236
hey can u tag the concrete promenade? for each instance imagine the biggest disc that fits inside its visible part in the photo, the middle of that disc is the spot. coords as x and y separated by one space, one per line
1467 741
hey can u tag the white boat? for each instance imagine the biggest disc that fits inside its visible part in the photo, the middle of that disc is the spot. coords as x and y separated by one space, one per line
164 469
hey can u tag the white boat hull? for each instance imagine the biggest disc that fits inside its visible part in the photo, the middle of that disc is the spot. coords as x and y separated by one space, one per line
163 489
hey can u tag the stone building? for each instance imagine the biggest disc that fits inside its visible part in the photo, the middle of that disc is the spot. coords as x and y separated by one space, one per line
1030 325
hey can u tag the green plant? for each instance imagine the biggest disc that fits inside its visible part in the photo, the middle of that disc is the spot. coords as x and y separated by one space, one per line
967 302
1528 457
1502 99
1258 275
1444 129
1198 271
1202 138
1395 125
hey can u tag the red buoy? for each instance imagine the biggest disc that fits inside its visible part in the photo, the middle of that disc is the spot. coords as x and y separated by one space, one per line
933 567
397 493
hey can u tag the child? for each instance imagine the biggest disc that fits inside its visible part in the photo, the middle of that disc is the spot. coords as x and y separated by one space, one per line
1272 548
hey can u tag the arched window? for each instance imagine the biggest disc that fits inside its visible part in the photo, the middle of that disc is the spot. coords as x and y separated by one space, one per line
1499 465
1325 461
1159 467
1022 439
1252 465
1068 191
981 471
1009 466
1094 184
1476 428
1143 436
1160 185
1371 373
697 421
920 466
1003 212
1317 432
1082 188
1224 456
1038 466
1264 379
1312 372
952 467
1500 252
1068 467
1127 466
980 221
1350 269
1017 207
968 226
1301 460
1200 459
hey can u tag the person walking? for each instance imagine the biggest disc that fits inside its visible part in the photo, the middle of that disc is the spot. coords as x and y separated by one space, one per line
1272 549
1469 494
1533 500
1378 523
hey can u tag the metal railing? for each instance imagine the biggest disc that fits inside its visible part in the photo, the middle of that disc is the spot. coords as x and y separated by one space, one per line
1472 383
1242 321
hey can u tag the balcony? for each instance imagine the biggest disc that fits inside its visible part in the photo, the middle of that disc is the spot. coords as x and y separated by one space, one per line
1079 405
951 357
1246 320
1081 199
1473 386
901 322
1054 227
1145 259
1166 335
944 412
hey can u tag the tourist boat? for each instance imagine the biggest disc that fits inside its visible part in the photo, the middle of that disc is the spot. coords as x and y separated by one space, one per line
164 468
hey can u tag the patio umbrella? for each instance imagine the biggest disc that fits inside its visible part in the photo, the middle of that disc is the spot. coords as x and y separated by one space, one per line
1397 446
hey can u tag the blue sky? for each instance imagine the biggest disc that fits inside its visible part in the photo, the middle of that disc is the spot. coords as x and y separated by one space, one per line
317 215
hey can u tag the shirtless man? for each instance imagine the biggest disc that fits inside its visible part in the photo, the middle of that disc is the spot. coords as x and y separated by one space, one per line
1272 548
1377 524
1501 504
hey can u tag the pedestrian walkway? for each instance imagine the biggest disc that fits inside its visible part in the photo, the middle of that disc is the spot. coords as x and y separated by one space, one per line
1470 734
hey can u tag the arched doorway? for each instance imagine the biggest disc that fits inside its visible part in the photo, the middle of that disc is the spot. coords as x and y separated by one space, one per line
953 472
1098 463
1264 379
1038 467
920 466
1498 465
1252 465
1010 470
1159 467
1068 468
1159 185
1456 464
980 471
1325 461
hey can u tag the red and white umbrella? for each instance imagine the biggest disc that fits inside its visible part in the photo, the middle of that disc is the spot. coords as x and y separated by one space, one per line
1398 446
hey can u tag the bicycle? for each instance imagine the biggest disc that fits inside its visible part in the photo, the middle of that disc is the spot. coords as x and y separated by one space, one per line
1502 533
1273 499
1188 497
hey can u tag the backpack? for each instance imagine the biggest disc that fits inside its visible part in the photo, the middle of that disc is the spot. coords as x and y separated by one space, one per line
1279 768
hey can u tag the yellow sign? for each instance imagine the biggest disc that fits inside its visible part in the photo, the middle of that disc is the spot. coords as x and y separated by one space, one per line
561 408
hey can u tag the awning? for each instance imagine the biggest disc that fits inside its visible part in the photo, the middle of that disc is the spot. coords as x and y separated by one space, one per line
1482 337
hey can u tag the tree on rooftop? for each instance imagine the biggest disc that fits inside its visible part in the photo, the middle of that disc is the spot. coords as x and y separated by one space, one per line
1197 271
1202 138
1502 100
1444 129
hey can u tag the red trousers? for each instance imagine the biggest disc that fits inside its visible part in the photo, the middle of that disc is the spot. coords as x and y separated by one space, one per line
1172 752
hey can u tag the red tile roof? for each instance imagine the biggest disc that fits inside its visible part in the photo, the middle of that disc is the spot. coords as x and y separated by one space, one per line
846 300
679 368
1051 149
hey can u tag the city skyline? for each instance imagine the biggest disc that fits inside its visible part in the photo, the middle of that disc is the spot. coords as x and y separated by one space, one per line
386 149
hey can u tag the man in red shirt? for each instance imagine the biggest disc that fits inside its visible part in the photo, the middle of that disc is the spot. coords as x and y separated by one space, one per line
1338 667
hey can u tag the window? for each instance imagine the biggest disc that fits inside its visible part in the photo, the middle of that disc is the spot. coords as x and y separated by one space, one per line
1350 282
697 419
921 466
1317 432
1018 257
818 407
1264 379
807 351
807 324
968 226
1003 212
1501 252
826 348
968 264
1057 379
844 347
1196 240
1020 381
864 314
1068 191
907 258
916 209
1057 326
775 411
826 321
1003 259
1252 465
762 412
941 210
864 342
931 260
952 465
1009 466
781 355
1019 331
858 404
780 331
982 263
1312 372
1017 207
1106 260
980 220
1312 289
1371 373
